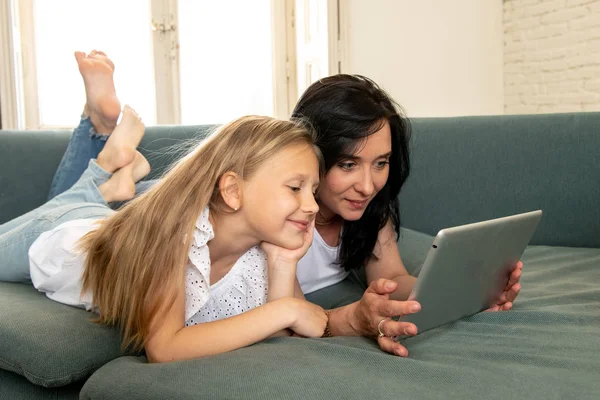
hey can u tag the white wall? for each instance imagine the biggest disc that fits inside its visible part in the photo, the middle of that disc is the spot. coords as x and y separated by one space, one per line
551 56
435 57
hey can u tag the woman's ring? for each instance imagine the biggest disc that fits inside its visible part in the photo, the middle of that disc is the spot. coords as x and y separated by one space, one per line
381 334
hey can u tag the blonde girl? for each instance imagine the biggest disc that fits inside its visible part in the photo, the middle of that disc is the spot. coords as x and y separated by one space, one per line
201 264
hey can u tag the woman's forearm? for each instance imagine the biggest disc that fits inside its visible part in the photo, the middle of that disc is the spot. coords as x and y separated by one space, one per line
227 334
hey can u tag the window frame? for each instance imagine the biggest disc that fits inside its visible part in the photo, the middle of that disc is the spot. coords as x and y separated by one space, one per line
18 82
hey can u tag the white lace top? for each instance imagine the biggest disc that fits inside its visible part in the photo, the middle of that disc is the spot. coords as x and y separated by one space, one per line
244 287
56 268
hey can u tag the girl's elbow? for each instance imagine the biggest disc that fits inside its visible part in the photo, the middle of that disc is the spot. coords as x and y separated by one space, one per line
159 354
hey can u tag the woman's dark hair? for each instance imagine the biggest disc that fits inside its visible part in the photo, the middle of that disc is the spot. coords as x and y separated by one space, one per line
344 110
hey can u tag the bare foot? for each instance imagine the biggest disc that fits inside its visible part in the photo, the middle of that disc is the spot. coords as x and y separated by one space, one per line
120 186
120 148
141 167
102 104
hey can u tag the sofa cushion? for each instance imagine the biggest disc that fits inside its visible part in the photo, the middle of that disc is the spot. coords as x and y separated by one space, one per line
48 343
17 387
545 348
53 345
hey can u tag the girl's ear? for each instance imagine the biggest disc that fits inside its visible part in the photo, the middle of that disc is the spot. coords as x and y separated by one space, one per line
231 190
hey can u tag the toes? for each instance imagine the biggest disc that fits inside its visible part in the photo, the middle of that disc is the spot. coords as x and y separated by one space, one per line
130 115
97 52
130 110
79 56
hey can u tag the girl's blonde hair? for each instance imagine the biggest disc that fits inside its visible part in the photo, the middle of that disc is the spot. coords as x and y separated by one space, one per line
136 259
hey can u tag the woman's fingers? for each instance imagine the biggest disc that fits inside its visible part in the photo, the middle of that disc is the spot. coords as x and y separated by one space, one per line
513 292
391 328
375 305
515 276
382 287
518 265
390 346
494 308
395 308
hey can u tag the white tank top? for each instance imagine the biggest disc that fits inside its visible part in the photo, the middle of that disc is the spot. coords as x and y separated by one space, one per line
318 268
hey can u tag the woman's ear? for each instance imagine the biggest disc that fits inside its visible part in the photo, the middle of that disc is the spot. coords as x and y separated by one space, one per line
231 190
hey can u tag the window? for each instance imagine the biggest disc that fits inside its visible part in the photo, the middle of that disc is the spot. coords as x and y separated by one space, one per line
120 28
177 61
226 60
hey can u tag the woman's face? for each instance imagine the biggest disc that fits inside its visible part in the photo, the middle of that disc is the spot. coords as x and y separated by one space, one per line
351 184
278 200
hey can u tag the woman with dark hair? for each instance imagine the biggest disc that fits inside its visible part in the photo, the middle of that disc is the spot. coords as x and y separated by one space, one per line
364 138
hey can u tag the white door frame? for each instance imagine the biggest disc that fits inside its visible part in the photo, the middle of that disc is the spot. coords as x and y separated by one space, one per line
284 57
310 15
165 41
9 101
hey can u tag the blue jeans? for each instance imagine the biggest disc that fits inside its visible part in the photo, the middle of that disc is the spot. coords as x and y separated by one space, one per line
83 200
85 145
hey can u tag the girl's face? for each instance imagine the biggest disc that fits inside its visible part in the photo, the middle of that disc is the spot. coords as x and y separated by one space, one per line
353 182
278 200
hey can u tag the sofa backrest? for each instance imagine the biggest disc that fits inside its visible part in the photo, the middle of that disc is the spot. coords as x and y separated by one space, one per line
468 169
28 161
464 169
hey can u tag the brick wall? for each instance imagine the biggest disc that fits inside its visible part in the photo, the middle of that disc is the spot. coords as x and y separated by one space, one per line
551 56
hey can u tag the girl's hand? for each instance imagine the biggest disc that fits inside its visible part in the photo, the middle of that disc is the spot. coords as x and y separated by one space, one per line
310 319
511 291
282 264
277 254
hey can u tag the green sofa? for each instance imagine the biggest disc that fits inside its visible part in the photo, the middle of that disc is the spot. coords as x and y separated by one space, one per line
463 170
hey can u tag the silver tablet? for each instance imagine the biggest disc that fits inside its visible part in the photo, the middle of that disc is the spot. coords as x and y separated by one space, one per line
467 268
